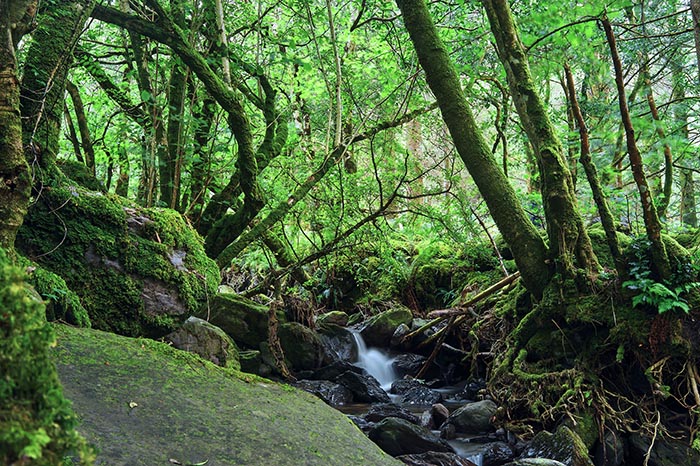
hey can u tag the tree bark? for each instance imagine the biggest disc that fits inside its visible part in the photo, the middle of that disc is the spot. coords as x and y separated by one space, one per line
569 244
606 217
85 139
44 80
651 218
528 247
695 12
15 181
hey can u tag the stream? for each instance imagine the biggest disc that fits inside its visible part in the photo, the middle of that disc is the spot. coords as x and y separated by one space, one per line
379 364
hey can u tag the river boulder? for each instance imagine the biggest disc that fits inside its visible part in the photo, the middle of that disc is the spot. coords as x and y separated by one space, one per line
473 418
207 340
332 393
142 402
400 437
364 387
379 412
564 445
434 458
378 330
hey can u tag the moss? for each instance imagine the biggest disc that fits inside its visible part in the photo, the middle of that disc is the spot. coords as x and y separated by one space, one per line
600 245
80 174
36 421
191 410
136 271
61 302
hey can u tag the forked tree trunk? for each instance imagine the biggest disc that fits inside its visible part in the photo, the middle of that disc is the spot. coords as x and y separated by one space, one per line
528 247
570 246
651 217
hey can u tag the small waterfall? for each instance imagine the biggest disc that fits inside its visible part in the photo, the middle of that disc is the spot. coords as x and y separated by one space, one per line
375 362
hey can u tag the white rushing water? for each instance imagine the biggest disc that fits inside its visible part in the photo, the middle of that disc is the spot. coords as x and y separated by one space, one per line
377 363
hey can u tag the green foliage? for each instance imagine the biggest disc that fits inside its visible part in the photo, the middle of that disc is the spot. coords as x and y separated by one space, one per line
36 421
661 296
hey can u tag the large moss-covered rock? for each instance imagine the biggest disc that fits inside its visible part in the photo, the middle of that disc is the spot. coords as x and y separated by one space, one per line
143 402
378 330
137 271
599 242
244 320
36 421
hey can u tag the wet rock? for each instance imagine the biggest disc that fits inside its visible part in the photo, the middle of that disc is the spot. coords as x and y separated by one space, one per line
400 437
497 453
433 458
333 370
408 364
331 393
439 414
303 348
379 329
473 418
664 453
364 387
397 338
611 451
207 340
361 423
339 318
338 341
564 446
413 391
534 462
382 411
472 390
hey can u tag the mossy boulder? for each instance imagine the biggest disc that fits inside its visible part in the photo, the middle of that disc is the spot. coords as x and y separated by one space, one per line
244 320
303 348
37 424
137 271
143 402
398 436
61 302
333 317
208 341
599 242
79 173
563 445
378 330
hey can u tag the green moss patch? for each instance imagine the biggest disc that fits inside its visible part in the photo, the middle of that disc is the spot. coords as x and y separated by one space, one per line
137 271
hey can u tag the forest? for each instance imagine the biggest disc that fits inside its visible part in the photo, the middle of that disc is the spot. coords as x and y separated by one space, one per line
502 190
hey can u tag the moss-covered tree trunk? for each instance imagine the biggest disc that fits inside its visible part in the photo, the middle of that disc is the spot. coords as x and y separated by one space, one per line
167 32
86 140
569 243
528 247
15 182
44 80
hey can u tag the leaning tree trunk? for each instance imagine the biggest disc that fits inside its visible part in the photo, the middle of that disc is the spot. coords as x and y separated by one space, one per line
528 247
651 217
15 182
44 81
569 244
606 217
